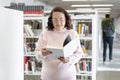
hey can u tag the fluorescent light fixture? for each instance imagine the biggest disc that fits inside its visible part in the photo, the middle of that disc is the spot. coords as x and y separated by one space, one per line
84 9
74 0
80 5
96 0
100 5
102 9
94 5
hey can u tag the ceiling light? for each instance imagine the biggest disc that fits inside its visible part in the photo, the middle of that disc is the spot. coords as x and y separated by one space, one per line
98 5
80 5
83 8
74 0
102 9
96 0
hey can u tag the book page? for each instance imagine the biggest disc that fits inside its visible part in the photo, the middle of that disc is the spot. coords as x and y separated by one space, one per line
66 51
70 48
56 53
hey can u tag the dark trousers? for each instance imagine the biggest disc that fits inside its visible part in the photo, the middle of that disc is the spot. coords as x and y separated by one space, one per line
109 41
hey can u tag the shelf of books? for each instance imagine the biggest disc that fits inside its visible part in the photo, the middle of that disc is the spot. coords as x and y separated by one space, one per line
33 25
86 26
84 22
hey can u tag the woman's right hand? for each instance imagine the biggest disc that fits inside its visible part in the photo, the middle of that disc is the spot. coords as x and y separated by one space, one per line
45 52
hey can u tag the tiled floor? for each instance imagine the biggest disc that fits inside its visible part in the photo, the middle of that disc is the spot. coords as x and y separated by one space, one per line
108 75
115 64
110 71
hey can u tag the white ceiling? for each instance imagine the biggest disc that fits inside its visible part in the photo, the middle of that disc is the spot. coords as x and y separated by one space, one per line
115 9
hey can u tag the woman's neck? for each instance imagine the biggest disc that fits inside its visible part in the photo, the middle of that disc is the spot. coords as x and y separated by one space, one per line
59 30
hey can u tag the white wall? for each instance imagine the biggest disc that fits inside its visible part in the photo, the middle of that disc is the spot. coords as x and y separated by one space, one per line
4 3
117 25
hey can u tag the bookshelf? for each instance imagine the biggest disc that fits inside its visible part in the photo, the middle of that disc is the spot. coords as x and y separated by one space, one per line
32 66
33 25
87 27
86 67
88 38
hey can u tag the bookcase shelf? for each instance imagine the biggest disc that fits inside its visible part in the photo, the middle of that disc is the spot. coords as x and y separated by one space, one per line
32 67
78 74
33 20
30 55
83 73
87 28
31 36
31 73
88 39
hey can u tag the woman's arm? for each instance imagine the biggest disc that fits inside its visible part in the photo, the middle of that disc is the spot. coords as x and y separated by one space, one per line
76 55
40 45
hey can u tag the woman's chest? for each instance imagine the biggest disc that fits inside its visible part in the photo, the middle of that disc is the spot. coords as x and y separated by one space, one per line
56 40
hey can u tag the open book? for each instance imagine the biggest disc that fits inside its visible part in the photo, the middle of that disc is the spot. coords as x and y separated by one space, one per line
69 47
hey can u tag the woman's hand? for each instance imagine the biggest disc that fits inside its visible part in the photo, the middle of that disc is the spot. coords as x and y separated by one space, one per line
45 52
64 60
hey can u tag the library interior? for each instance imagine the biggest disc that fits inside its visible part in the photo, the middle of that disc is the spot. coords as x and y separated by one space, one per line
24 21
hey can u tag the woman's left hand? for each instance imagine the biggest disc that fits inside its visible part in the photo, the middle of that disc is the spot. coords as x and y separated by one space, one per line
64 60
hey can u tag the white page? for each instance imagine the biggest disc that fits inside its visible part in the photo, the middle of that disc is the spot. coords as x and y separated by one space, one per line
56 53
70 48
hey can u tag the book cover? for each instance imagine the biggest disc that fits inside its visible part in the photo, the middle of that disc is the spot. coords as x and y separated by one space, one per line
69 47
67 40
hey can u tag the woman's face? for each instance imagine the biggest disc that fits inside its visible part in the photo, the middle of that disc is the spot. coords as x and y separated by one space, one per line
58 20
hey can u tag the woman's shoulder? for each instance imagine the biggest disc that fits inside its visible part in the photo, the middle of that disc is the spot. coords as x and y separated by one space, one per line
45 32
71 31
